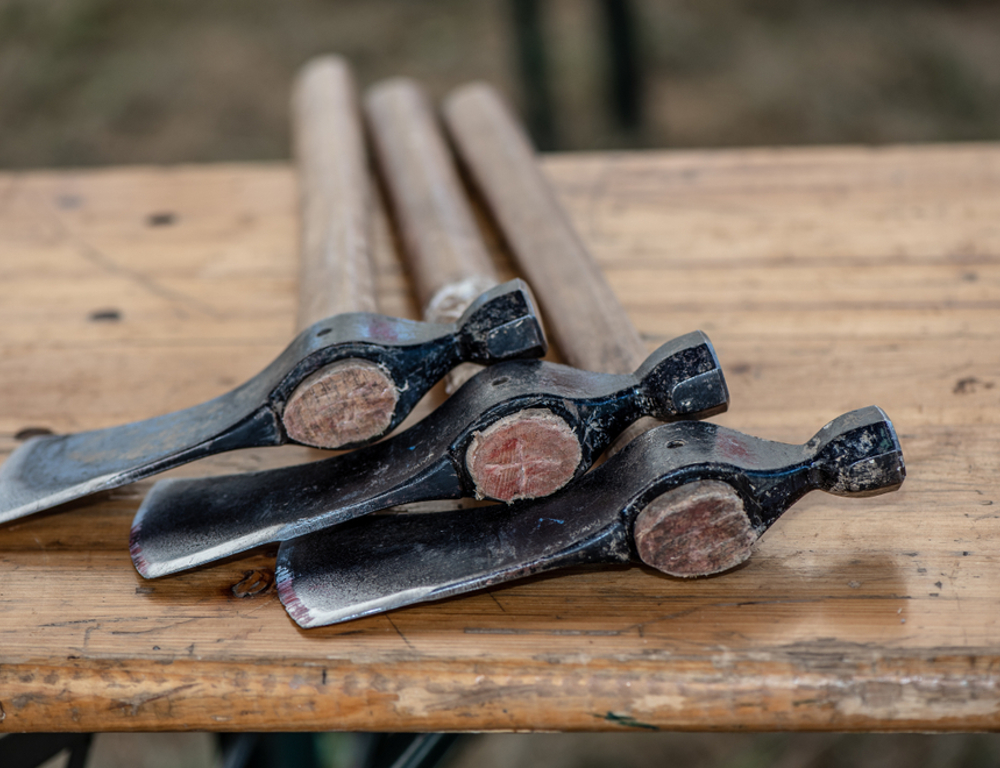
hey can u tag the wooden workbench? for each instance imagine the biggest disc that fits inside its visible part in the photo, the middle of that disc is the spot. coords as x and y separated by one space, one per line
828 279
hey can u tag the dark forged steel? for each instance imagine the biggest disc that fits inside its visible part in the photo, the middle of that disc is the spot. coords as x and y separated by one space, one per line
501 324
188 522
392 560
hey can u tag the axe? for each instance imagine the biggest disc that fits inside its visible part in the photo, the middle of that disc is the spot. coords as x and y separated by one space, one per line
475 444
688 499
343 382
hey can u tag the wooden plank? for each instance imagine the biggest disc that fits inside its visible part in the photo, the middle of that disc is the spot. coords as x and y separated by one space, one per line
829 279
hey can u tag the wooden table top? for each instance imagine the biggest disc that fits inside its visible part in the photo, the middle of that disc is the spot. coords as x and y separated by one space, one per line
829 279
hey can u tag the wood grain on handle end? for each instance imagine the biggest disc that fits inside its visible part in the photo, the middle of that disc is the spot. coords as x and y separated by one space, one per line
334 190
346 402
696 530
526 455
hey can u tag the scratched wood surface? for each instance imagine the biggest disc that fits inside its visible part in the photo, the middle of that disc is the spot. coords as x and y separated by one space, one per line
829 279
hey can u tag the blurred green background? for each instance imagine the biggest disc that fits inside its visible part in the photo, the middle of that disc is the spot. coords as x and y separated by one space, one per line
98 82
93 82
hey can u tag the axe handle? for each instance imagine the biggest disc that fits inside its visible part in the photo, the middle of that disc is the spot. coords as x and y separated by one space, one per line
450 266
581 311
442 242
336 267
334 193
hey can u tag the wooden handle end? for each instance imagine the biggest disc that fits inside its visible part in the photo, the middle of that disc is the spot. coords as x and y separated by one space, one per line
344 403
442 241
526 455
336 268
696 530
590 326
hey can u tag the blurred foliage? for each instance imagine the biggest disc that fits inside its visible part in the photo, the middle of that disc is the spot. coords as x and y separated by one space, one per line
124 81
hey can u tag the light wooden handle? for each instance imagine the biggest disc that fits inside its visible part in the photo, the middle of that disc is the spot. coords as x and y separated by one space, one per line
451 267
449 263
336 265
349 401
582 313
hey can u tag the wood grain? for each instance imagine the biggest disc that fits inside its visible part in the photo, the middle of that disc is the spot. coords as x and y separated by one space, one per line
348 401
829 279
582 313
448 260
525 455
698 529
336 271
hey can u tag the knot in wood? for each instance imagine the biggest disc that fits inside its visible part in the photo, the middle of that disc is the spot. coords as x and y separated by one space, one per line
695 530
526 455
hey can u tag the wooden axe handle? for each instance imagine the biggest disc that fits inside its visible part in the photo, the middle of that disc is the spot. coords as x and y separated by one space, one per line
581 311
442 242
589 324
349 400
334 193
451 266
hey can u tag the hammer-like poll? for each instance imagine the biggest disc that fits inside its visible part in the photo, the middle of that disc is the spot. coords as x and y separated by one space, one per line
472 445
343 382
688 499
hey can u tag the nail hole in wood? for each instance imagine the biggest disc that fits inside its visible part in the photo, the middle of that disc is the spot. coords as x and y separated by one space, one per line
27 432
105 316
161 219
